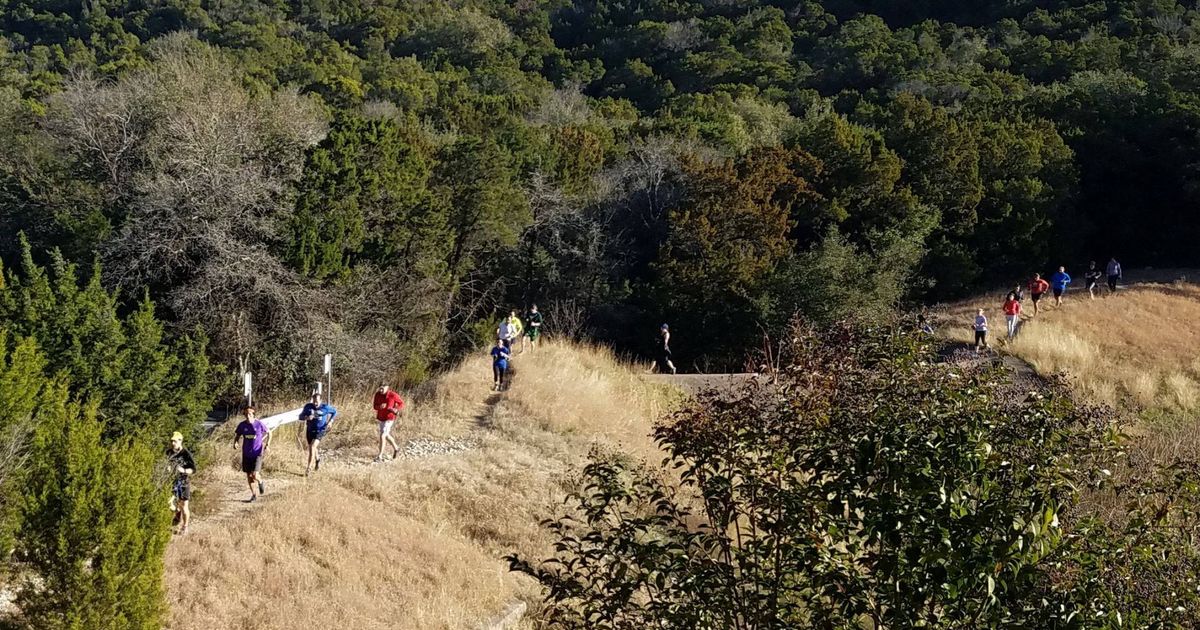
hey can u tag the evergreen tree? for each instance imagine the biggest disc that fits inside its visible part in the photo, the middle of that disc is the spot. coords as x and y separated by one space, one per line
364 196
483 210
21 382
94 523
142 382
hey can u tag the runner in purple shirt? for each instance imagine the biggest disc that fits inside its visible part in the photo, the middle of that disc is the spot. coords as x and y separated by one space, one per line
255 438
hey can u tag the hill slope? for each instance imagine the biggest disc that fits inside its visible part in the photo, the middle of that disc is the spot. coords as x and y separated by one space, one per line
1135 350
417 542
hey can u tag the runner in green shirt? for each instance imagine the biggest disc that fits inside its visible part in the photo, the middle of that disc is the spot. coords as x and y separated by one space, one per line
534 329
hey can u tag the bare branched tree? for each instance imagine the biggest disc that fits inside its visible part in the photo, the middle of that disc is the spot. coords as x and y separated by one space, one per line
561 107
101 125
209 198
14 438
203 173
568 318
648 177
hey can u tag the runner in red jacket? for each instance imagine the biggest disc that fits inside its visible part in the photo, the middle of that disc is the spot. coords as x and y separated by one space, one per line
1037 287
1012 314
387 406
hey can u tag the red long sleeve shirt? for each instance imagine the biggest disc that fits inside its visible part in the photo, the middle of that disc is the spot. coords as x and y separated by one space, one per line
387 405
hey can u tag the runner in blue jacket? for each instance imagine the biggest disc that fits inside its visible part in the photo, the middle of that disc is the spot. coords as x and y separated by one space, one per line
1059 282
500 356
317 417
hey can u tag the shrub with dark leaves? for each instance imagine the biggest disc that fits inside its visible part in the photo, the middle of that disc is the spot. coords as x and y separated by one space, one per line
871 486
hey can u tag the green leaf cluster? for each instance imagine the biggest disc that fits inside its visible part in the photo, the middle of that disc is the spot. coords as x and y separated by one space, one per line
871 485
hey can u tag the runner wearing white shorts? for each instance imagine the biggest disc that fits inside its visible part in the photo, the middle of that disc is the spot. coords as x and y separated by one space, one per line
387 404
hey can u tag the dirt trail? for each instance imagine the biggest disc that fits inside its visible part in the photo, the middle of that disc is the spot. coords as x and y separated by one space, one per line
284 468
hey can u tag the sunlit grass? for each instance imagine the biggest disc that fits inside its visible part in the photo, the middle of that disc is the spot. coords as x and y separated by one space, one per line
1138 349
413 543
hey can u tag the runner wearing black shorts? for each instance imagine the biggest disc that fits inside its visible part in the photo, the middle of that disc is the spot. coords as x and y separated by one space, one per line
1059 281
254 437
183 466
1113 269
318 417
1037 288
664 349
1092 278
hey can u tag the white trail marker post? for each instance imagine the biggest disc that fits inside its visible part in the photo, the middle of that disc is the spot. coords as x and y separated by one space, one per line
329 377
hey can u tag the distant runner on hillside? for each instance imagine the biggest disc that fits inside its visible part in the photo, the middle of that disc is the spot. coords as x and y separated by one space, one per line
981 326
183 466
1114 274
664 349
317 417
1018 292
1012 314
255 437
534 319
1037 287
1092 278
387 405
518 326
500 355
1059 282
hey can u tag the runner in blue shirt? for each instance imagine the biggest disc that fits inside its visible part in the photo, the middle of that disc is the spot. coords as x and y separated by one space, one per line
255 437
318 417
1059 282
500 356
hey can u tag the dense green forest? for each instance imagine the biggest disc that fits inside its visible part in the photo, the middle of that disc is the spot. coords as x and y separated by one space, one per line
379 179
189 188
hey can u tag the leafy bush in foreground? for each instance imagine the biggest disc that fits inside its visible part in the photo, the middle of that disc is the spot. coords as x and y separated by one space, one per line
873 487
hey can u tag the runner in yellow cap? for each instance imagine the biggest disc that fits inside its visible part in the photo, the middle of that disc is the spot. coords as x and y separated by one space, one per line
183 465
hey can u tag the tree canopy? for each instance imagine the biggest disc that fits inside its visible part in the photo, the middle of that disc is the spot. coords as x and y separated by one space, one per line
488 154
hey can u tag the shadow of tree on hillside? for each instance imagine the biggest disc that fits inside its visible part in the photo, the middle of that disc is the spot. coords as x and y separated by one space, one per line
484 419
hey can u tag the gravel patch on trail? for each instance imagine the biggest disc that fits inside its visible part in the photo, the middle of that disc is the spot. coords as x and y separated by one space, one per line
426 447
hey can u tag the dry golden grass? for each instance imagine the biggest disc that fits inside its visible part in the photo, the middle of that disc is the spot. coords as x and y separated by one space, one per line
1136 350
412 543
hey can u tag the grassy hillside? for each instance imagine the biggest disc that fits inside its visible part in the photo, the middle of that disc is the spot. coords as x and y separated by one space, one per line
1136 350
413 543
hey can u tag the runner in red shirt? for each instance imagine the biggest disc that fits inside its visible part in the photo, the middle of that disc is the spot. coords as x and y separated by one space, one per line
1037 287
387 405
1012 314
